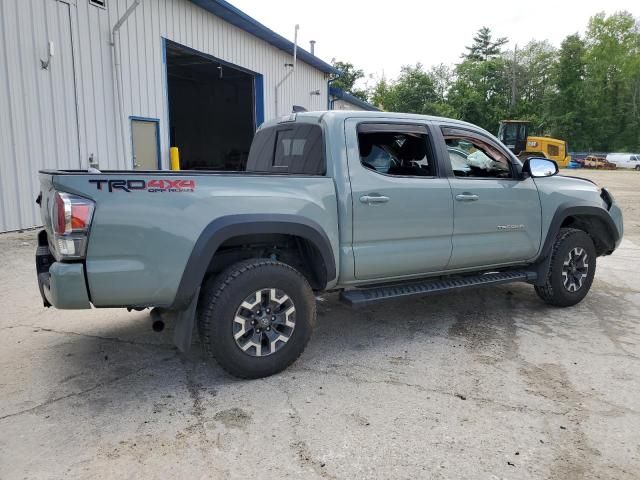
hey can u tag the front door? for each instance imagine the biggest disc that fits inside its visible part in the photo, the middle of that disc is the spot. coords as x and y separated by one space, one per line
145 144
497 215
402 208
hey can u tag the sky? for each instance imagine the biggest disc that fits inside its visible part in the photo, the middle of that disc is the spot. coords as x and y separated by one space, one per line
381 36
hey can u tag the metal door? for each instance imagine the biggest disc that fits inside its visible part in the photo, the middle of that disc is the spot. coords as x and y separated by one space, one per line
497 218
146 153
38 113
402 225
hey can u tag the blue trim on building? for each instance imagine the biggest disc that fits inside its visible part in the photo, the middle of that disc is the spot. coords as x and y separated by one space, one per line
340 94
258 83
133 118
231 14
210 57
166 93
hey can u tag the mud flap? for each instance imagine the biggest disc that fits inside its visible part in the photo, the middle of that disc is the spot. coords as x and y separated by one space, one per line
542 268
185 321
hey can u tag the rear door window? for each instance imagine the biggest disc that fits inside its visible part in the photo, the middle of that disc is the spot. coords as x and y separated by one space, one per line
398 150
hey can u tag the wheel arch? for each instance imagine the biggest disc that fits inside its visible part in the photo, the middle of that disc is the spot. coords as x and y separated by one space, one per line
594 221
226 228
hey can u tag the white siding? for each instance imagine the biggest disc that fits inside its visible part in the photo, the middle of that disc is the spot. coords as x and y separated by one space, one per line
340 104
38 118
144 72
57 118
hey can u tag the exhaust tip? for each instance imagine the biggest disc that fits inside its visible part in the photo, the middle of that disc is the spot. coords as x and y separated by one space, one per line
156 317
157 326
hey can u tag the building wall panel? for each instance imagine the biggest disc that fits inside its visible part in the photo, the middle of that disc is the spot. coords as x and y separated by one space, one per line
60 117
39 122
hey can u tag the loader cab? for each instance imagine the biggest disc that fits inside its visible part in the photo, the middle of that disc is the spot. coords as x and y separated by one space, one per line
514 133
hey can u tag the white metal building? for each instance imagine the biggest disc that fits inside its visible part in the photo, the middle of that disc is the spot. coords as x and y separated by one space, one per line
115 83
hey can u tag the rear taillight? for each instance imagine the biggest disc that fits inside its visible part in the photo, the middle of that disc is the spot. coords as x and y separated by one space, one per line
71 219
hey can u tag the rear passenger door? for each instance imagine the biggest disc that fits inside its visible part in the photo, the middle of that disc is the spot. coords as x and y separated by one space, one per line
497 214
402 206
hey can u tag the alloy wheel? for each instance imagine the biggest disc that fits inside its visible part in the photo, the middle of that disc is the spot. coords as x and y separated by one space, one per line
264 322
575 269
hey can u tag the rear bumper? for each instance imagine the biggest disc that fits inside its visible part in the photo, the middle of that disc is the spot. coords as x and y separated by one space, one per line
61 285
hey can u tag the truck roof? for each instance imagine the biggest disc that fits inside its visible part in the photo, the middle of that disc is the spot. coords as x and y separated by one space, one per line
340 115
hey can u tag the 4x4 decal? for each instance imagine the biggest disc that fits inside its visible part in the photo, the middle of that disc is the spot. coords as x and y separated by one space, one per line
152 186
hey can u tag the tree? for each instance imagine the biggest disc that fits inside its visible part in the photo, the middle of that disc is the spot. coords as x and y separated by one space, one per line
413 92
567 111
587 92
533 67
483 47
481 92
442 76
613 48
380 93
348 78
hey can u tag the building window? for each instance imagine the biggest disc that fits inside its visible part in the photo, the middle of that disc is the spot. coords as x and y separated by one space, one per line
99 3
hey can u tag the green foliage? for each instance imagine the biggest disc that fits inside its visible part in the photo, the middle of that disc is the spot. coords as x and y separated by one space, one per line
612 81
567 112
480 93
587 92
484 47
414 91
347 80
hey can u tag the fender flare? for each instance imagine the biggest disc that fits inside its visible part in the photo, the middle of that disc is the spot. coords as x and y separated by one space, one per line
564 211
224 228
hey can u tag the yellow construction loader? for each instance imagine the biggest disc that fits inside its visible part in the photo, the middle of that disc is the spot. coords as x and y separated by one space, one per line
515 135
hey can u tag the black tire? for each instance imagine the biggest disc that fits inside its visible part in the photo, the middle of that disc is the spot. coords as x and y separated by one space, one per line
637 167
569 288
224 296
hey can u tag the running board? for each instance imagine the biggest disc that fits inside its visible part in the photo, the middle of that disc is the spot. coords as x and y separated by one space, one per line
360 297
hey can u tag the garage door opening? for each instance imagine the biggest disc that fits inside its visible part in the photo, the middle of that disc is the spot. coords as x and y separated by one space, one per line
211 110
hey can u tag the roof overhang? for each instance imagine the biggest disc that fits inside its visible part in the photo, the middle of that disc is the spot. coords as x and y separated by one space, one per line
352 99
236 17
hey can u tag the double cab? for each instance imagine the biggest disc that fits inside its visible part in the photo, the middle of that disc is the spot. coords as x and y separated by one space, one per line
378 206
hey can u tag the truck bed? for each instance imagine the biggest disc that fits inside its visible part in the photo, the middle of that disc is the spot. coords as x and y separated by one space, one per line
146 223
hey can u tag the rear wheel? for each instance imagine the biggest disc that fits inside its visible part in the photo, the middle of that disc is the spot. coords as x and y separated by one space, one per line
256 317
573 266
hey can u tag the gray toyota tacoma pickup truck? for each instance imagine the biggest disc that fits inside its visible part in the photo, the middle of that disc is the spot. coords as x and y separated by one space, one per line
377 206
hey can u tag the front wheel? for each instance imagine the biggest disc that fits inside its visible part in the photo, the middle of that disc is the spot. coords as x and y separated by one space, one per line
572 268
256 317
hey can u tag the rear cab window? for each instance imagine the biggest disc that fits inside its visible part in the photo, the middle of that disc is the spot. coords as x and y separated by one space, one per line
292 148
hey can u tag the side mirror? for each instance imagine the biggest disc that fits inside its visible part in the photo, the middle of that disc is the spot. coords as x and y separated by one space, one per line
540 167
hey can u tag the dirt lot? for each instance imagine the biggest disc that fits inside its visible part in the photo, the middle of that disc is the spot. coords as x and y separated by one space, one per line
483 384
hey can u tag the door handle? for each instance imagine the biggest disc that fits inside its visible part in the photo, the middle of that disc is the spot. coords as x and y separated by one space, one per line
467 197
370 199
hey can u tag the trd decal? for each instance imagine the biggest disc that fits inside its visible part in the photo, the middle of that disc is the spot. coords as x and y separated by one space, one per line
152 186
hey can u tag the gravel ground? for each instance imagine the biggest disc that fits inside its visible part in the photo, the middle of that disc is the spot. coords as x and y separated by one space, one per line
484 384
